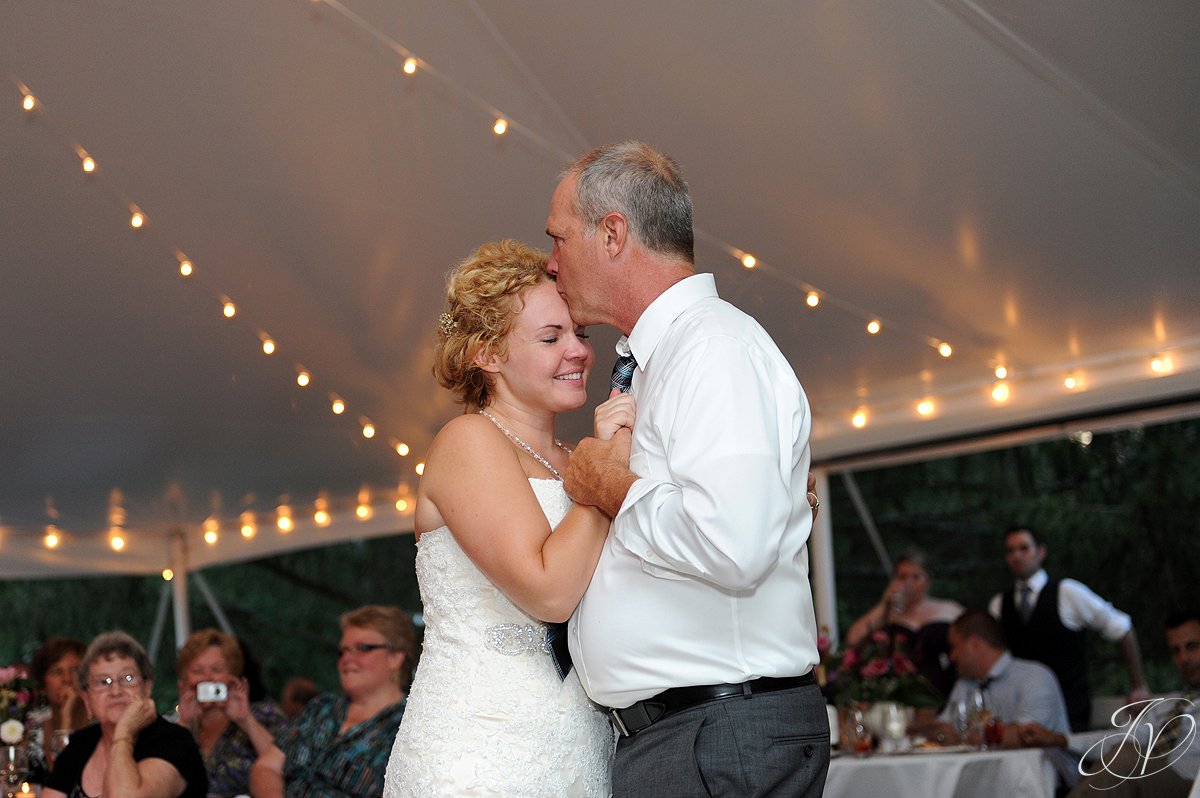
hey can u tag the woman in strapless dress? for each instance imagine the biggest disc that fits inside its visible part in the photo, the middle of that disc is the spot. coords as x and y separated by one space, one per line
911 615
501 549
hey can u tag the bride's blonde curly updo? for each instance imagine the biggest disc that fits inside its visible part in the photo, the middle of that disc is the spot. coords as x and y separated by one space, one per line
482 294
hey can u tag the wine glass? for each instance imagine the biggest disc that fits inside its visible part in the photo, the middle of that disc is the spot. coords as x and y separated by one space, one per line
960 719
14 765
979 713
895 727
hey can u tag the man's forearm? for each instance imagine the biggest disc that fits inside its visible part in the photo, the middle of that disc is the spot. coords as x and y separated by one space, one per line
1133 660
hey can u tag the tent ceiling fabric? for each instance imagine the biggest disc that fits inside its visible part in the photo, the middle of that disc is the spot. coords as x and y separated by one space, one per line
1021 179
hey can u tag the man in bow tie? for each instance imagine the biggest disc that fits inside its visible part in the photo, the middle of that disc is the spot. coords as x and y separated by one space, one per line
698 629
1045 619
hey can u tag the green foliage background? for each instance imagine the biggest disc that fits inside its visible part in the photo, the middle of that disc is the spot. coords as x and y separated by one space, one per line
1122 515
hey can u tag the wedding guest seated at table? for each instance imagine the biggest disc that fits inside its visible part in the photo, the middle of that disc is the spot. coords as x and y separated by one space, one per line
1017 691
131 750
217 706
297 692
339 743
912 616
1165 761
53 670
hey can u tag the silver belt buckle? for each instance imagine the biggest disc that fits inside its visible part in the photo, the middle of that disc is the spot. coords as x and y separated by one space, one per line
615 714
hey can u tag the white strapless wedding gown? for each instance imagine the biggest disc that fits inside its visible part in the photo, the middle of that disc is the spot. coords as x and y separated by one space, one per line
487 713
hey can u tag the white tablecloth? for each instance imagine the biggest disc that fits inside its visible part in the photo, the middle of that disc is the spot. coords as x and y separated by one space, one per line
1024 773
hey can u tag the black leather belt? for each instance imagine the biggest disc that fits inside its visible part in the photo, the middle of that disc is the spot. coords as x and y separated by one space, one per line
633 719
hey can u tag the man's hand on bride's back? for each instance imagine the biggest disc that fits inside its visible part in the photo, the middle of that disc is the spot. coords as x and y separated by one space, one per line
617 411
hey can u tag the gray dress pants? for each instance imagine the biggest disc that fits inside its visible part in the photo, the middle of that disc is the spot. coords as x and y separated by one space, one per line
771 744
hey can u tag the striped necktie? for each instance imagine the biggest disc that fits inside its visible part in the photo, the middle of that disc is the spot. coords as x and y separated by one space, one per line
622 374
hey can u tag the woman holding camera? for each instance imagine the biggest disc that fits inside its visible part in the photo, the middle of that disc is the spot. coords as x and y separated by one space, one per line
215 704
131 751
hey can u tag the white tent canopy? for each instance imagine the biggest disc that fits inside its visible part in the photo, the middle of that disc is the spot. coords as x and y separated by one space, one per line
1019 179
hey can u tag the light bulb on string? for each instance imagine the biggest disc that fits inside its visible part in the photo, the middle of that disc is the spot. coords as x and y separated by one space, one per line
185 268
137 219
268 346
283 519
248 527
1001 372
338 407
322 518
88 164
168 574
1001 392
859 419
29 102
362 512
873 327
116 540
401 505
419 468
812 299
368 429
52 538
229 309
944 349
925 407
501 126
303 378
749 261
410 65
401 448
1070 382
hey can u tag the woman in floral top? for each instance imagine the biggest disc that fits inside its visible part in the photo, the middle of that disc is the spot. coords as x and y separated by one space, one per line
338 745
232 732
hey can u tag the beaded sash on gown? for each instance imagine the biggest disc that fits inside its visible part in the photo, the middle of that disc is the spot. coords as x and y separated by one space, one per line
487 713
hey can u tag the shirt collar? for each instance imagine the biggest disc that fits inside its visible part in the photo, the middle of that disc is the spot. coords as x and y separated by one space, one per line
654 321
1001 665
1035 582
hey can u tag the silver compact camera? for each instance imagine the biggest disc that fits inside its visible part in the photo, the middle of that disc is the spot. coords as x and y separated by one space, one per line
207 692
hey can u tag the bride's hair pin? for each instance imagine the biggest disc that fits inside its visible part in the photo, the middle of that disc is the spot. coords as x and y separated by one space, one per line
447 324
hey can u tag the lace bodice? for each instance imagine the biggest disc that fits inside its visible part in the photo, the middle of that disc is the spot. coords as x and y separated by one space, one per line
487 714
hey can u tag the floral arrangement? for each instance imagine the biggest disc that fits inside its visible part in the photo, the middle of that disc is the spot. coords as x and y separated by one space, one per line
16 694
877 669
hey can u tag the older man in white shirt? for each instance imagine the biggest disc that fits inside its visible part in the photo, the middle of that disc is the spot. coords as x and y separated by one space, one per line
698 628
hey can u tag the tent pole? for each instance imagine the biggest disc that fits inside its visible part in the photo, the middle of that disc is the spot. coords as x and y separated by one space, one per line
160 620
179 564
211 600
867 520
821 558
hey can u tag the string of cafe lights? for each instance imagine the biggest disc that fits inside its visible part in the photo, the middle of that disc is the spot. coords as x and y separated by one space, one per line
285 514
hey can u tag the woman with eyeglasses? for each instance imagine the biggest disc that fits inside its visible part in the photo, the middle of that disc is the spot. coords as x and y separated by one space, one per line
339 743
131 751
215 704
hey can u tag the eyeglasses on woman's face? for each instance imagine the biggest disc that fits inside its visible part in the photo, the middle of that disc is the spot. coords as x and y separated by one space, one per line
105 684
360 648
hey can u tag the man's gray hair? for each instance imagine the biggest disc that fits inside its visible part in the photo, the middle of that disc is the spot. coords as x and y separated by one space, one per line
645 186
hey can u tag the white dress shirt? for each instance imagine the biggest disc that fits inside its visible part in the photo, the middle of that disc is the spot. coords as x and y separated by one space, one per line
1078 607
704 576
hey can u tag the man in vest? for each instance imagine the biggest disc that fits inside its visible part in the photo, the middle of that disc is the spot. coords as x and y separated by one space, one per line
1044 619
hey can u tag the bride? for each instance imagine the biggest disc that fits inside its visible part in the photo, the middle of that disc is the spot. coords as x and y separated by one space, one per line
488 713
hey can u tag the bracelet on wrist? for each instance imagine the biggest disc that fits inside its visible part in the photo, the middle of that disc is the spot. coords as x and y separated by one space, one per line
125 739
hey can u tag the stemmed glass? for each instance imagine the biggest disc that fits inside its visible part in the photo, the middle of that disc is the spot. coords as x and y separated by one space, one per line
960 718
14 766
979 713
895 726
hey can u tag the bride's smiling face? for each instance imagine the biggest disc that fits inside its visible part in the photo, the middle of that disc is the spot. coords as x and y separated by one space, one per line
548 356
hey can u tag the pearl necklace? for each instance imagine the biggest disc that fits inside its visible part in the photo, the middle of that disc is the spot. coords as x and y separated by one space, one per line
528 449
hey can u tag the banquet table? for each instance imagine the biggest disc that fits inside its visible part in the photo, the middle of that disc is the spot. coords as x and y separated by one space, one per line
1021 773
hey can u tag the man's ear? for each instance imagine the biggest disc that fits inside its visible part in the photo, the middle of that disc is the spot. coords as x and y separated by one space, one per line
615 229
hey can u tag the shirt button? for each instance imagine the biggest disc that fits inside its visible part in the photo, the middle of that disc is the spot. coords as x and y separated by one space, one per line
808 751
